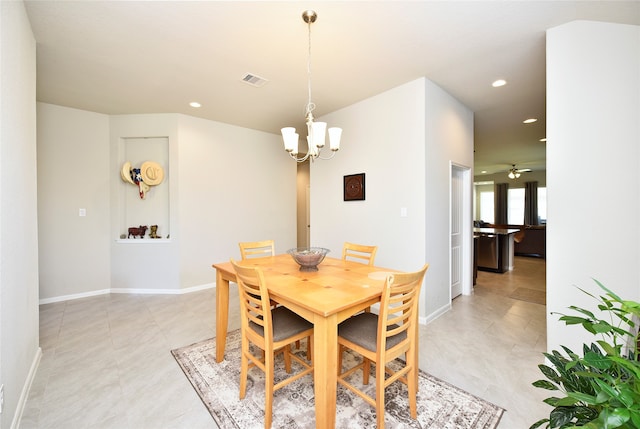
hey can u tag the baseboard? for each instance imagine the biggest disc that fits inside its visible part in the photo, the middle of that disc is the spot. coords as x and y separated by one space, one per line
24 395
131 291
434 315
74 296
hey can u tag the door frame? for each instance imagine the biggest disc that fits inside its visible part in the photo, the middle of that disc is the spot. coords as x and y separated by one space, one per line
466 200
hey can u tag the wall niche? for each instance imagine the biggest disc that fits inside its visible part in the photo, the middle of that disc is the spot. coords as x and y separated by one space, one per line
154 208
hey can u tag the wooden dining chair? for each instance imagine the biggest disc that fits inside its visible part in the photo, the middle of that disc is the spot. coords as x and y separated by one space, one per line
255 249
359 253
385 337
270 330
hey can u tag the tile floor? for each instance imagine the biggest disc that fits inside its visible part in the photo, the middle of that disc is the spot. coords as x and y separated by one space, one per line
106 361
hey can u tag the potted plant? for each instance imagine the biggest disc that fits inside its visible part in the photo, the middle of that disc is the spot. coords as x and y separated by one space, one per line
601 387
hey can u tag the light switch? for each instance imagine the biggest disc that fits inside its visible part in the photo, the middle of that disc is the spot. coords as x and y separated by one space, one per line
82 212
403 212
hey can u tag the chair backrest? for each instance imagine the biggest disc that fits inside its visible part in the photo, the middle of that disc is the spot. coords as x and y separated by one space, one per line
359 252
254 299
399 308
257 249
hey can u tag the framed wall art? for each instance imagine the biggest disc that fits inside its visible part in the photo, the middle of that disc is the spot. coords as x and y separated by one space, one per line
354 187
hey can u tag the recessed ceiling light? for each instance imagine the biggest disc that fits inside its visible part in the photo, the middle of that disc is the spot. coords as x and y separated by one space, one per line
529 121
499 82
195 104
543 139
484 172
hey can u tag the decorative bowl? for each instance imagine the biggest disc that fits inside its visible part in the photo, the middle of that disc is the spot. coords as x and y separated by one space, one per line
308 257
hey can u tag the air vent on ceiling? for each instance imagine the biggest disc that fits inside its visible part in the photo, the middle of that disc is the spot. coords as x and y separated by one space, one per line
254 80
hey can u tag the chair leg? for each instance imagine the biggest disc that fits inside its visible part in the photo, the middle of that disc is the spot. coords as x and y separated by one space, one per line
287 358
413 393
412 382
310 349
268 389
366 368
244 367
380 369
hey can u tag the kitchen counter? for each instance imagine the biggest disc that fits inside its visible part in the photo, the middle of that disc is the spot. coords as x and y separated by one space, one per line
495 248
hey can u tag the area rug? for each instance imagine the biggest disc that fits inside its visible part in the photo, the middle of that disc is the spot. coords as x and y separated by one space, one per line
530 295
440 405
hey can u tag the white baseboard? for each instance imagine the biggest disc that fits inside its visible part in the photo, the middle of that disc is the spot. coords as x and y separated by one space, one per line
24 395
131 291
434 315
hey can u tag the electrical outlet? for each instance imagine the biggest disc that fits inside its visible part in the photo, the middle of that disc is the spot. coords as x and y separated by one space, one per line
1 397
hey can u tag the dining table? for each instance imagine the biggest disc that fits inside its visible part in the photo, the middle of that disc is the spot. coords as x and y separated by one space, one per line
338 290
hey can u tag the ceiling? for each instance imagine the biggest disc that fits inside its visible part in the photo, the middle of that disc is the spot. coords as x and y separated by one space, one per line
121 57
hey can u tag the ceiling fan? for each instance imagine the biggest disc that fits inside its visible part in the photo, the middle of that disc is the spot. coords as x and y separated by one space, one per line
514 172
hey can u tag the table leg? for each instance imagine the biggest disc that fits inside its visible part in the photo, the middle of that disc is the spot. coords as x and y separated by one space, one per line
222 314
325 352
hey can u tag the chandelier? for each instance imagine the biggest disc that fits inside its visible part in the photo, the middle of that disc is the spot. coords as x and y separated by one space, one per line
315 130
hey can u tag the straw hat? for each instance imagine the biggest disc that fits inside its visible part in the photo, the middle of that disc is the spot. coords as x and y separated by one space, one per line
151 172
125 173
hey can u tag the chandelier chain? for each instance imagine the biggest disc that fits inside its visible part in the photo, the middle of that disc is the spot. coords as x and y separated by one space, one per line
310 104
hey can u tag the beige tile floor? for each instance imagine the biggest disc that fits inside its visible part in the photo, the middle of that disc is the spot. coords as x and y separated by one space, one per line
106 360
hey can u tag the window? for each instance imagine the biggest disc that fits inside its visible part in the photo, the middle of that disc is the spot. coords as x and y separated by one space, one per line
486 206
515 204
542 205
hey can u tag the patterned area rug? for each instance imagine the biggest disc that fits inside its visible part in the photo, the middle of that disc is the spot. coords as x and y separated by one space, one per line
440 405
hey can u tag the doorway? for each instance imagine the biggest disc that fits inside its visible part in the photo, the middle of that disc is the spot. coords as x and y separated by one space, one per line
460 231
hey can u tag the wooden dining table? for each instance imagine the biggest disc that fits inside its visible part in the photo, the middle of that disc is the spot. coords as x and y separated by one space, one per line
325 297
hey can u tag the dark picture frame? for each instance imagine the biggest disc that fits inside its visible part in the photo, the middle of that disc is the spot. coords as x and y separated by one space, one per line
353 187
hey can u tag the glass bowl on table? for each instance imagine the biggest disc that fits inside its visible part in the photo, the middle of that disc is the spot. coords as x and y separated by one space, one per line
308 257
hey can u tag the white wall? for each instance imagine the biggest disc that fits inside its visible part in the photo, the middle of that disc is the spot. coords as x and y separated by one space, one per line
73 173
212 168
403 140
19 351
593 106
235 185
448 139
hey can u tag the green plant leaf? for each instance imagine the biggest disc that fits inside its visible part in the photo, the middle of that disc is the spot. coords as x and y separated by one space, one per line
602 327
609 349
583 397
560 416
551 401
550 373
603 287
544 384
539 423
566 402
574 320
635 418
586 312
613 418
597 360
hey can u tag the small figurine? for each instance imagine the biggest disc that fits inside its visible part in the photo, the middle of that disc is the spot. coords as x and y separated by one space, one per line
153 232
139 231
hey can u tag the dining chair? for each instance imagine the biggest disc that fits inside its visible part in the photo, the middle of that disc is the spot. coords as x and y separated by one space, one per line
383 338
272 330
254 249
359 253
